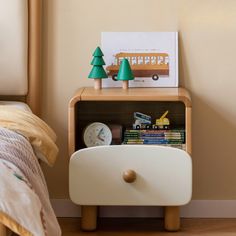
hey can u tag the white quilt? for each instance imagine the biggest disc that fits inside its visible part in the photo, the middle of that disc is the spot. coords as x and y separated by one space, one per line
18 200
24 200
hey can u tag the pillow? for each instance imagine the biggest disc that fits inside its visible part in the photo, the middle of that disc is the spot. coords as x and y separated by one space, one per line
19 105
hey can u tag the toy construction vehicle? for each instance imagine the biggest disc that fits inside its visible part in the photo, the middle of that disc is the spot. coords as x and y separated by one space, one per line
163 122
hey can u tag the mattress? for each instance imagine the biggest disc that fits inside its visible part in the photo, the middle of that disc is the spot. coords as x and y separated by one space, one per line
20 105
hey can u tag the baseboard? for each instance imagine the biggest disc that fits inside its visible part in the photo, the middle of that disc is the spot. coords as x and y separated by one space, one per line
195 209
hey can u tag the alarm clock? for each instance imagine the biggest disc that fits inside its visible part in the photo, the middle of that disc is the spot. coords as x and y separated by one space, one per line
97 134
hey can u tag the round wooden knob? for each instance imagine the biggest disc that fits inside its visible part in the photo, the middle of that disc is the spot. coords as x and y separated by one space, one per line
129 176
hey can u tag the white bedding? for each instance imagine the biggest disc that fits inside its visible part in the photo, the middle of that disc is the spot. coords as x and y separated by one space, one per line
24 200
20 105
19 198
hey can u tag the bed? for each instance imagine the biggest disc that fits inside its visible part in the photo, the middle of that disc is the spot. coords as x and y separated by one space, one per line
20 34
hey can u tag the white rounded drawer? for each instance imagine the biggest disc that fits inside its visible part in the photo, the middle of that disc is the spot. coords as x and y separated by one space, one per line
160 176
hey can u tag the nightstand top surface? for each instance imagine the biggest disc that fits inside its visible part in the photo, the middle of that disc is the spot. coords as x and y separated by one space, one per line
132 94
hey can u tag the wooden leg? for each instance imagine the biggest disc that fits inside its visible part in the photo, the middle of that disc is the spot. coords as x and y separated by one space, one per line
172 218
3 230
89 218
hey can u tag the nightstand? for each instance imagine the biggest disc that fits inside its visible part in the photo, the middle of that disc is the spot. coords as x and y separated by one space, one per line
114 105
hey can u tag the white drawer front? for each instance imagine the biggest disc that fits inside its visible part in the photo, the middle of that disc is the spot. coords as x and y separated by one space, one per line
164 176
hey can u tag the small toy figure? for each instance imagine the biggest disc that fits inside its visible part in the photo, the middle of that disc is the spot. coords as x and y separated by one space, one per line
142 121
97 73
125 73
163 122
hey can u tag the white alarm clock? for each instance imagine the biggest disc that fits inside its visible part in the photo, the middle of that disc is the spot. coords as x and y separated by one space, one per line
97 134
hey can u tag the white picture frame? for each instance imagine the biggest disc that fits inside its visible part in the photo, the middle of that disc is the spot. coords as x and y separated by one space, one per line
153 57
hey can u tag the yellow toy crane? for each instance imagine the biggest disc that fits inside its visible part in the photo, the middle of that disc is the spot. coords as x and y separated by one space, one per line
163 122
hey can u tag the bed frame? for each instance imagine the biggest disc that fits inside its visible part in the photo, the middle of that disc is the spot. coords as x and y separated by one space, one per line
34 56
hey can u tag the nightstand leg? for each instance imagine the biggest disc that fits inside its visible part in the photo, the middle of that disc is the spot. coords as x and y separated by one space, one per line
172 218
3 230
89 218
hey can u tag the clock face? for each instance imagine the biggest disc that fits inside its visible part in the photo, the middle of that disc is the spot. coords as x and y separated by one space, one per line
97 134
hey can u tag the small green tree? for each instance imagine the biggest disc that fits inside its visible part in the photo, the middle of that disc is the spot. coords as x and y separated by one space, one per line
125 73
97 73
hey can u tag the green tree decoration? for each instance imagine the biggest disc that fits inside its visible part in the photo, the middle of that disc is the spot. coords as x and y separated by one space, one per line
125 73
97 73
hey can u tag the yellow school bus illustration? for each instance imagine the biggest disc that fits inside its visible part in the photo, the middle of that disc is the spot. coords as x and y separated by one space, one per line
142 64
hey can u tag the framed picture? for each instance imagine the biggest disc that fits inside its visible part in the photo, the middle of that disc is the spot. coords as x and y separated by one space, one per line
153 57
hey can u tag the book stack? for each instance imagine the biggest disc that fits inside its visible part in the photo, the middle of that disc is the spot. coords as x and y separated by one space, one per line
172 138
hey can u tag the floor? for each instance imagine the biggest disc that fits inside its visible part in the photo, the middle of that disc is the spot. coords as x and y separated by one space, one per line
150 227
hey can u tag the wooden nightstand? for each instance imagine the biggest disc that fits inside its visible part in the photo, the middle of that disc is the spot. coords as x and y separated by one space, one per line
115 105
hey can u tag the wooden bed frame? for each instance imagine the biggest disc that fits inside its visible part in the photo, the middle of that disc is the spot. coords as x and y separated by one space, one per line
34 57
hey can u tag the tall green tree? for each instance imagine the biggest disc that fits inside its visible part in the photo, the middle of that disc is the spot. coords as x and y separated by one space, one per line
97 71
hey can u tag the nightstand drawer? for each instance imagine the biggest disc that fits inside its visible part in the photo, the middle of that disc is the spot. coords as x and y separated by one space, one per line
155 175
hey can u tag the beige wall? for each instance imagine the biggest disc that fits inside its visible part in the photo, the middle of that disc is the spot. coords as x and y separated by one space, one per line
207 33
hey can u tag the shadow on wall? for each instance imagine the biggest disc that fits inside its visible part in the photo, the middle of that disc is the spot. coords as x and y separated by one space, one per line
183 64
214 138
214 151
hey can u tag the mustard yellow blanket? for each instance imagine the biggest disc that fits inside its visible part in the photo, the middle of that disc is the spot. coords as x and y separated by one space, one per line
38 133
